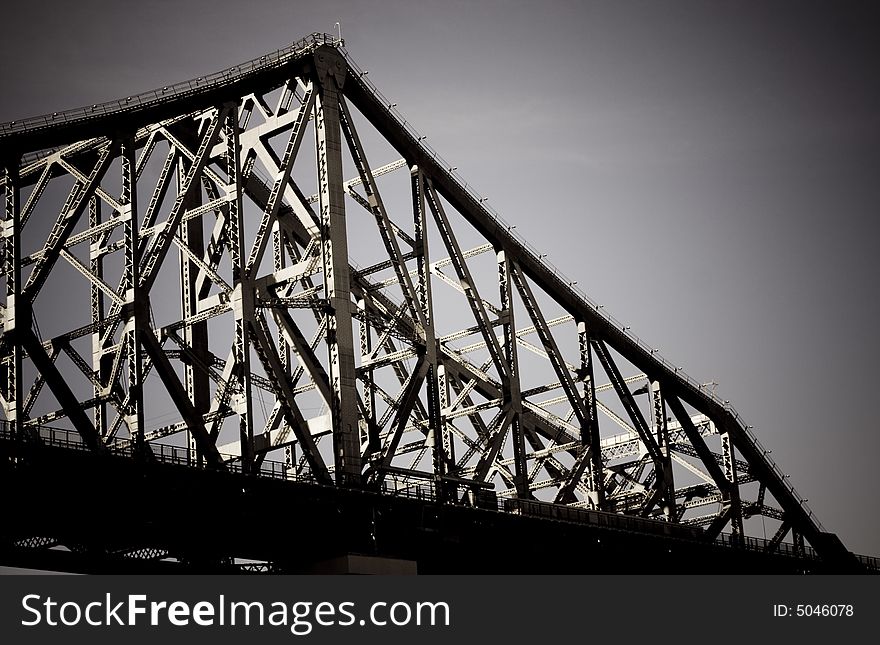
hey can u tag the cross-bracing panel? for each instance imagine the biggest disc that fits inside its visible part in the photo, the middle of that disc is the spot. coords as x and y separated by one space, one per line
268 266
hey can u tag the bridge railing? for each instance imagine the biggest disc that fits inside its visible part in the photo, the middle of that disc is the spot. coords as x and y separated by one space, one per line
761 544
162 452
869 562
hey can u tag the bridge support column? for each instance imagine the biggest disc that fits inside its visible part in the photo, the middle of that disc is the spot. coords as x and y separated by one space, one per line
101 363
511 384
437 432
14 314
590 439
731 496
330 71
136 298
242 298
665 481
195 335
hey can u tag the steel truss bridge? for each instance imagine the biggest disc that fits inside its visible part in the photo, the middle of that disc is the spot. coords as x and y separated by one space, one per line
233 341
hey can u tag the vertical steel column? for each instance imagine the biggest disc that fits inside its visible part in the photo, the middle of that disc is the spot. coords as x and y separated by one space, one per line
436 427
196 381
242 298
136 302
510 384
279 261
798 542
374 443
443 400
100 363
590 436
331 70
17 309
731 498
664 478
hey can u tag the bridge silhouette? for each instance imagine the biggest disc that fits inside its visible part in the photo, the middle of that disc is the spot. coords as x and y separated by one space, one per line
401 383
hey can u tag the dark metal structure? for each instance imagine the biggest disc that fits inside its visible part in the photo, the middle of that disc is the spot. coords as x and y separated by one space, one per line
323 338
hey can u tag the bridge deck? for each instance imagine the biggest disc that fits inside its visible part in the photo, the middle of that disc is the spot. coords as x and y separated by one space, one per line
124 513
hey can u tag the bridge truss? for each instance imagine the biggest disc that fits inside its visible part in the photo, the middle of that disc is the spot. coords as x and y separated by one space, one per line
269 264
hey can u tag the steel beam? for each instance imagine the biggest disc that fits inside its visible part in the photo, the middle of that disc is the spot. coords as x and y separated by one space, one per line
194 336
665 480
629 404
77 201
468 284
510 382
16 312
330 75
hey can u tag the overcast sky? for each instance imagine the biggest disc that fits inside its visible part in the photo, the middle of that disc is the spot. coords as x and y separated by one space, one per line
707 170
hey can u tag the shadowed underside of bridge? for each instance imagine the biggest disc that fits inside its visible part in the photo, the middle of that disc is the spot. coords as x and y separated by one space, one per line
164 516
252 320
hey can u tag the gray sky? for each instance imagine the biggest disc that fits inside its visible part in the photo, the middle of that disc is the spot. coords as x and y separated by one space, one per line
707 170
